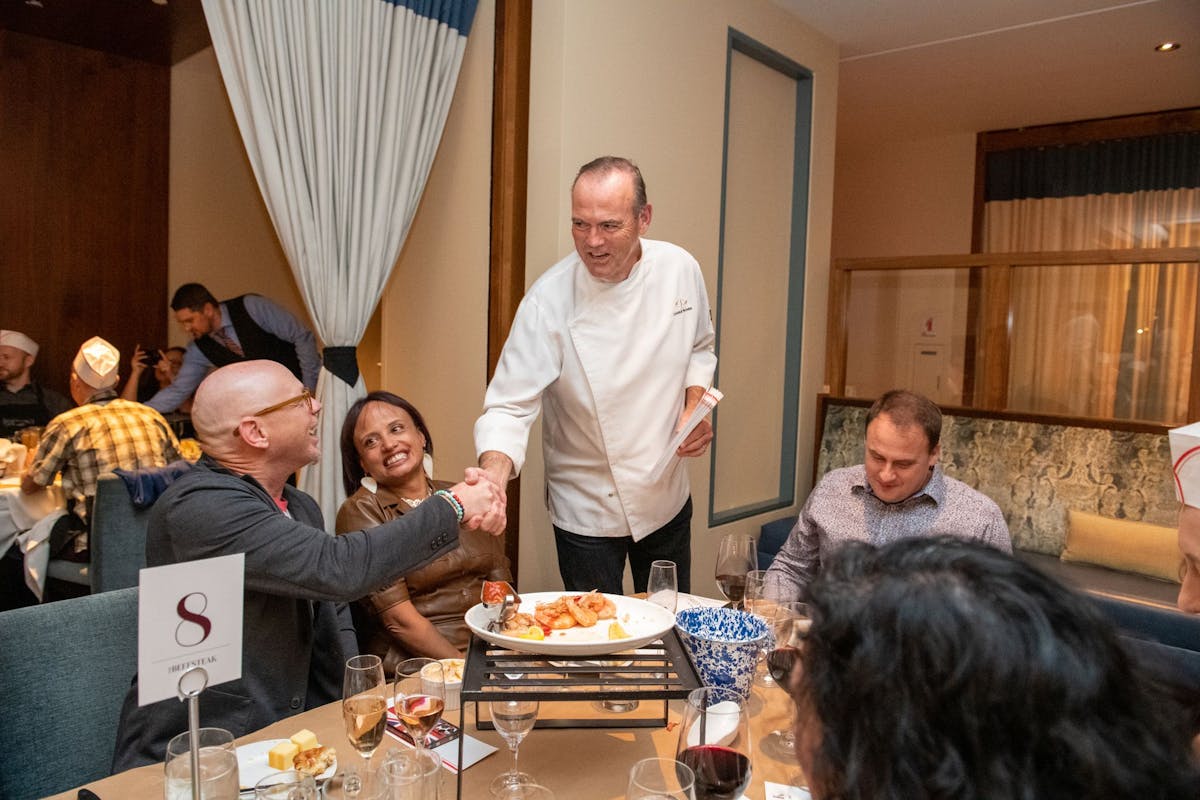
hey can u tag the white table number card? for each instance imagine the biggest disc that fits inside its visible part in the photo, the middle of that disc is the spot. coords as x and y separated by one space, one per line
189 615
1185 461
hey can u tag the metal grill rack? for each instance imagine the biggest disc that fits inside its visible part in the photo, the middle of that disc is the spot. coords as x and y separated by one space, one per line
660 670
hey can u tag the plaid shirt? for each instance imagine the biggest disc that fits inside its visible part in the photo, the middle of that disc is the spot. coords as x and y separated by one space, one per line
89 442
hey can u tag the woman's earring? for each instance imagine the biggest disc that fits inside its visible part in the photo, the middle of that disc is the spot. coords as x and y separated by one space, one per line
369 484
427 463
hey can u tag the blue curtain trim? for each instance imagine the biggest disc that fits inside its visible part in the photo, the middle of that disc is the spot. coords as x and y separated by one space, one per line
342 362
458 14
1149 163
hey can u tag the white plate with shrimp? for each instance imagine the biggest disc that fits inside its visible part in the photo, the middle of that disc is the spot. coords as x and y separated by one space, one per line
640 622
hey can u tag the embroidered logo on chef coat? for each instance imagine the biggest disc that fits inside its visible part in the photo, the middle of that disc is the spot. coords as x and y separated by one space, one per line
681 305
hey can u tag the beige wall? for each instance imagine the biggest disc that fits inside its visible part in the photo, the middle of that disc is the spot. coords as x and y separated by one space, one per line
905 198
900 198
220 234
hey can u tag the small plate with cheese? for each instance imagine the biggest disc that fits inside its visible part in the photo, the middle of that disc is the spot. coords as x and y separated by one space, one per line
257 760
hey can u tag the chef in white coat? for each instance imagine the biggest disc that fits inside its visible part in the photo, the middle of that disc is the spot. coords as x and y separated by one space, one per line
615 344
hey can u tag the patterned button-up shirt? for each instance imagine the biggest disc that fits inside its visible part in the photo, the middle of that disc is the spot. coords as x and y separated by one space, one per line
89 442
842 508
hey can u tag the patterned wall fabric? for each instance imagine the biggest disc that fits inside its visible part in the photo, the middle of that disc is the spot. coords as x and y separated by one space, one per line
1036 472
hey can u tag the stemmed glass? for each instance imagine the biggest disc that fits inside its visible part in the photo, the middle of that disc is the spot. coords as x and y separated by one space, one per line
662 588
714 740
513 720
661 779
737 555
759 606
420 697
364 712
789 625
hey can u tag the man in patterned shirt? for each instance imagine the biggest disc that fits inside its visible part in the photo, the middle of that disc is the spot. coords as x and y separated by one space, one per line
105 432
900 492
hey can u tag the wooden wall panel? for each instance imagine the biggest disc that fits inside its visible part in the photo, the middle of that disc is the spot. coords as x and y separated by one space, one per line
84 140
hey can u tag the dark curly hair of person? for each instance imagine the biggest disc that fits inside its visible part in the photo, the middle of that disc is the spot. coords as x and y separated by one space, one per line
939 668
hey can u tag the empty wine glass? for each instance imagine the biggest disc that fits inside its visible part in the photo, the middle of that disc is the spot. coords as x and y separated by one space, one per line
289 785
789 625
737 555
513 720
714 741
420 696
759 606
364 711
529 791
662 588
661 779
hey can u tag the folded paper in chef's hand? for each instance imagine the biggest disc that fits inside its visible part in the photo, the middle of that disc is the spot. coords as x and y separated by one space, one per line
1185 463
707 403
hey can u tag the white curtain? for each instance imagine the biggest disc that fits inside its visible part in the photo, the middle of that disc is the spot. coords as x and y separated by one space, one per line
341 105
1122 334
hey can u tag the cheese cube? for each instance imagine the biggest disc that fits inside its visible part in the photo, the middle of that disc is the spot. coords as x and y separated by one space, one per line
280 756
305 740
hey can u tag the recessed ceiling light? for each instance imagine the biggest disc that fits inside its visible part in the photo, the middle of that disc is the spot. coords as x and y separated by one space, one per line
1167 47
34 3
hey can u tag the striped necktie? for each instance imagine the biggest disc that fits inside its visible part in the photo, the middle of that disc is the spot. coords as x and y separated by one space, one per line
227 341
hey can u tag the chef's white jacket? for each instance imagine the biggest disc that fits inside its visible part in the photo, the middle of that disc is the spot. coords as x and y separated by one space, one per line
609 363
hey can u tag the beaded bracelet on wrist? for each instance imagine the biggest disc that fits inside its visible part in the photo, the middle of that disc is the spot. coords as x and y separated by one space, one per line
454 502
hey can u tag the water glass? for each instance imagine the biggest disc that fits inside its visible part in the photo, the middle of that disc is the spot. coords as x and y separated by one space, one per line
411 775
290 785
662 588
218 766
661 779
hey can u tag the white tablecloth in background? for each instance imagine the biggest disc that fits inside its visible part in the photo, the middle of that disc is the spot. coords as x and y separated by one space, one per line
28 519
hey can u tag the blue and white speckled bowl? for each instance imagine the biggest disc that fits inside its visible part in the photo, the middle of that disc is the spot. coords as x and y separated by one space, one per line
723 644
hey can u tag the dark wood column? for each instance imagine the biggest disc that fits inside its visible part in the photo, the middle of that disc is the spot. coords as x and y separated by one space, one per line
510 172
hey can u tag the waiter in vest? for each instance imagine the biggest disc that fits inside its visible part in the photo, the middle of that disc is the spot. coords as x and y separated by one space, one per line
23 402
246 328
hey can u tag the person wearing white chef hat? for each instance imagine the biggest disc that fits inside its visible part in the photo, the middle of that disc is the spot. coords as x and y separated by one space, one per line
80 442
23 402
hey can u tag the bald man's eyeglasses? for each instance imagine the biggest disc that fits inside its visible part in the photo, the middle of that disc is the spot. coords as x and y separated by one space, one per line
303 397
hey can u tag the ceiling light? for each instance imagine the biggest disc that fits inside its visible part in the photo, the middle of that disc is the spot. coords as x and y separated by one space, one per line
1167 47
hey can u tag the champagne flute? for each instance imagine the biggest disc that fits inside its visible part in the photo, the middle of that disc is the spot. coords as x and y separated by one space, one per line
661 779
662 588
513 720
788 626
420 697
714 740
737 555
364 711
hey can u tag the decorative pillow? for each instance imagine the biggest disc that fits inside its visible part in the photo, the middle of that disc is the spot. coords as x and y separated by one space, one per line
1123 545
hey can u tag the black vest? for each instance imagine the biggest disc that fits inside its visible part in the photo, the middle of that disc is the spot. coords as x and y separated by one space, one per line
14 416
256 342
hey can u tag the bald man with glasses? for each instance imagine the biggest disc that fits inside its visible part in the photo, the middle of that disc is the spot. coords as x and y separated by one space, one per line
257 424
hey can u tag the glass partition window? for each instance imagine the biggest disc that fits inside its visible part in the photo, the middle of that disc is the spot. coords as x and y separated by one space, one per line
907 329
1110 341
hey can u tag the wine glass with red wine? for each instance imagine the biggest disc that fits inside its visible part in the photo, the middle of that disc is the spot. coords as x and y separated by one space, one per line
737 555
420 697
789 626
714 740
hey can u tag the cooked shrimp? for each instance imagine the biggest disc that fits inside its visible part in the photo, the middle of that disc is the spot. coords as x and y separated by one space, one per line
584 616
598 604
554 615
519 622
